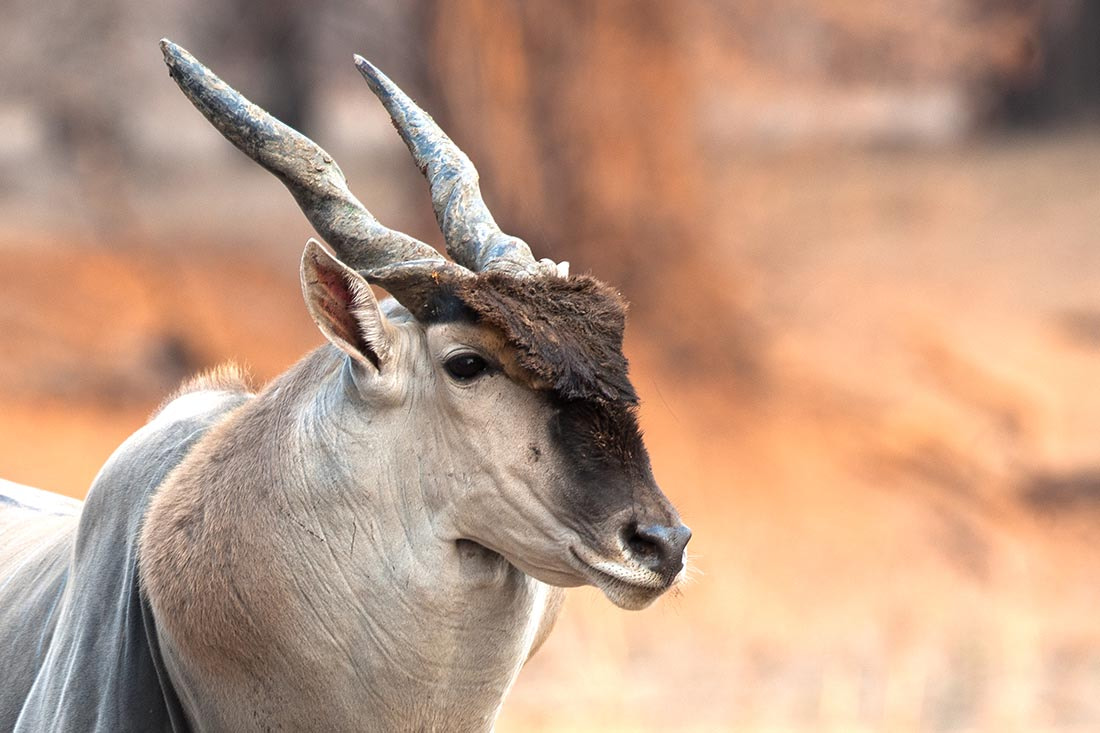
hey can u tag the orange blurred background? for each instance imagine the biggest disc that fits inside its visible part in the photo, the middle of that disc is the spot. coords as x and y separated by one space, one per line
859 238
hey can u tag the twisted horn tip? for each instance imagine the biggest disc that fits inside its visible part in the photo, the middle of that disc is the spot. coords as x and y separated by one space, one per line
173 54
378 82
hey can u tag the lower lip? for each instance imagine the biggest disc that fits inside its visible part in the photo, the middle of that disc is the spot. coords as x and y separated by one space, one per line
595 574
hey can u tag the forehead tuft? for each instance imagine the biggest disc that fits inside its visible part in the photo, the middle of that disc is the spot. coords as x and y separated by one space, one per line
568 332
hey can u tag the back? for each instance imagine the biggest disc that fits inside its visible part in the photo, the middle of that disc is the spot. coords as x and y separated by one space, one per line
36 539
78 646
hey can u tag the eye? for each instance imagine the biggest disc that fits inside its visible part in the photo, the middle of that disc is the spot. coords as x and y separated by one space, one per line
465 367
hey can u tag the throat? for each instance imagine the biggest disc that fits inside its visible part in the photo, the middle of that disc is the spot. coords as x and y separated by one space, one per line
482 567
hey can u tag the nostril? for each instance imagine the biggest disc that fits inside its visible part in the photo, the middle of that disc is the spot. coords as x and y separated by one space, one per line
656 546
643 546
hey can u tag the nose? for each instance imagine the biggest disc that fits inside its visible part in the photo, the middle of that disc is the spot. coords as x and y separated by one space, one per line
657 547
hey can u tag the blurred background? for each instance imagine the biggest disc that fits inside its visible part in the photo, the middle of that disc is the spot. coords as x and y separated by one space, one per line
860 242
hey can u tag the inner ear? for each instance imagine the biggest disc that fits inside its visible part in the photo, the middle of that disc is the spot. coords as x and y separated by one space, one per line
343 306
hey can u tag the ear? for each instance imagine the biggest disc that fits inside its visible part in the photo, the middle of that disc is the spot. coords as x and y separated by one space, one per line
344 308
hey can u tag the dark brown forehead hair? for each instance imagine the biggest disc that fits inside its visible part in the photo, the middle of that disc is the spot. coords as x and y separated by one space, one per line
567 332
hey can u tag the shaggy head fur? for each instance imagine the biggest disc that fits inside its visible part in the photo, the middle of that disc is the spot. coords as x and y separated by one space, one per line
567 332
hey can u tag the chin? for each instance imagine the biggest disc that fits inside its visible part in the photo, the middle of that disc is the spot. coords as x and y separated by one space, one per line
630 597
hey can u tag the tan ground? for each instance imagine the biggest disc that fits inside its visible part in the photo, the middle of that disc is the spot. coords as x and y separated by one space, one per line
895 526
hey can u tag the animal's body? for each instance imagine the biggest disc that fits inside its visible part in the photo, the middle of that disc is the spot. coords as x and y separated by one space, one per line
379 538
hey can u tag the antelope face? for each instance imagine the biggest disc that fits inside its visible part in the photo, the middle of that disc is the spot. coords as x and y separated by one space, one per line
560 487
534 447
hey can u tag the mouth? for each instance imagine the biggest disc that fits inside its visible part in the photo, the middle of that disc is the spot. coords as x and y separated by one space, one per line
627 585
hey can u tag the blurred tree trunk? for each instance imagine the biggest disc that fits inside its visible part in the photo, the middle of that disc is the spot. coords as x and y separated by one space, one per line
580 117
1061 80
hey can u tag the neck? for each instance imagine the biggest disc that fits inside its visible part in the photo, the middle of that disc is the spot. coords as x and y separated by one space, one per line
303 572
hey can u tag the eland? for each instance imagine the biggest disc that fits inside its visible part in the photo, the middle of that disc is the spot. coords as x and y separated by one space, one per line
379 538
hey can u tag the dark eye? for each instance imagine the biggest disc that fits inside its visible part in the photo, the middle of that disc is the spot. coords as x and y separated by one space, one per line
465 367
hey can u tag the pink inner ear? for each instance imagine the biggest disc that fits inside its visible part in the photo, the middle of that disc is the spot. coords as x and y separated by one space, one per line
336 302
335 285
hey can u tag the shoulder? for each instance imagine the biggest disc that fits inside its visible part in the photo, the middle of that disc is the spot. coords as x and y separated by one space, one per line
140 464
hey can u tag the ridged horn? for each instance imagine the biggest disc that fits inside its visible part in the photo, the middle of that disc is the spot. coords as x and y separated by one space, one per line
311 175
472 235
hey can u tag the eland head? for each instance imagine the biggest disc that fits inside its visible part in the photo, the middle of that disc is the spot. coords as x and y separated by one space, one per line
510 369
